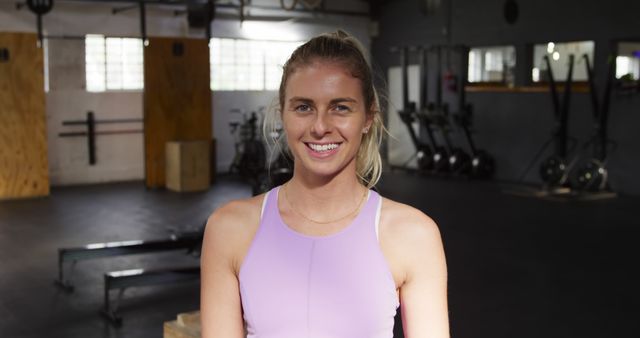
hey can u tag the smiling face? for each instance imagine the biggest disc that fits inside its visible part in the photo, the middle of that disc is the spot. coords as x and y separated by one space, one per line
324 117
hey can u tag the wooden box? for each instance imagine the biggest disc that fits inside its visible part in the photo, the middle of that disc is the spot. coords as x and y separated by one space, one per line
188 165
187 325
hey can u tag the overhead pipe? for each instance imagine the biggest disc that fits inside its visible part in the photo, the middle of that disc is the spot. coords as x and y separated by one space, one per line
143 23
233 6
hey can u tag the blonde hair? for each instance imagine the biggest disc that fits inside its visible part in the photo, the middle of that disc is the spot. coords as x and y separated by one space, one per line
344 49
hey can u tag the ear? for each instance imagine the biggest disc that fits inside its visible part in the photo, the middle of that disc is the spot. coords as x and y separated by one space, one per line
370 116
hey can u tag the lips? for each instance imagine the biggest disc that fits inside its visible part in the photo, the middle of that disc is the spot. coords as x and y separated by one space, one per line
322 149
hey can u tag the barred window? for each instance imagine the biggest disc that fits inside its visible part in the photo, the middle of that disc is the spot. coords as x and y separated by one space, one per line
558 54
492 64
628 61
248 64
113 63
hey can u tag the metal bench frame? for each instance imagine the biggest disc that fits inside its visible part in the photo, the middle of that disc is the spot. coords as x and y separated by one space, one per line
189 241
121 280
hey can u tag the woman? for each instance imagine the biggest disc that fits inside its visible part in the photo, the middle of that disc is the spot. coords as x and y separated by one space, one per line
323 255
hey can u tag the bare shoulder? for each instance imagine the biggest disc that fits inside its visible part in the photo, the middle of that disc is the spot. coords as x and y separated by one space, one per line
410 240
406 221
227 231
231 228
236 210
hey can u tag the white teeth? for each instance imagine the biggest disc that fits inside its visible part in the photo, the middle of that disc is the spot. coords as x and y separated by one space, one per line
323 147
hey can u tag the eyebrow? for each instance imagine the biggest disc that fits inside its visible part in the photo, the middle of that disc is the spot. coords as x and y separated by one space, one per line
334 101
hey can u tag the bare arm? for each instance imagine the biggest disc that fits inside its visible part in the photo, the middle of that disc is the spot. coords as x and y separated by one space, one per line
424 293
220 305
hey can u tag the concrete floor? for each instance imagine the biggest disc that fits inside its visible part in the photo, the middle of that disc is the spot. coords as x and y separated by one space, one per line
531 268
518 267
31 231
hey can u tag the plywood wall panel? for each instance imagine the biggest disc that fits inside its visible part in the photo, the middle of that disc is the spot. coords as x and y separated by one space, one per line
177 99
24 169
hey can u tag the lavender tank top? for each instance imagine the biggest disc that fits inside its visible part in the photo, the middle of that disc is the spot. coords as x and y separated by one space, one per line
299 286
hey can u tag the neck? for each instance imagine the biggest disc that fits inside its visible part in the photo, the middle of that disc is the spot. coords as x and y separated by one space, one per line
317 197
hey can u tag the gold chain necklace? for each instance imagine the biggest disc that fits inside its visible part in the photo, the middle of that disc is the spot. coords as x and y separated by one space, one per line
286 196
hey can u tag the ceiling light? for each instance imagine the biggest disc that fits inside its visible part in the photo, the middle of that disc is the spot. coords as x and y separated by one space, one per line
277 31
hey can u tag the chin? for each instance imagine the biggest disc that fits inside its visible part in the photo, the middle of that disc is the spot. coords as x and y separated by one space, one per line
326 169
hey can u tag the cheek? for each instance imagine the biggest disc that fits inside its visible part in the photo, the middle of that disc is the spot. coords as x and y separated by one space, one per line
293 128
287 123
351 126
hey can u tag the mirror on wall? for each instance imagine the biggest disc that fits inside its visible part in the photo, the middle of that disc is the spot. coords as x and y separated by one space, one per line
492 65
628 66
628 61
558 53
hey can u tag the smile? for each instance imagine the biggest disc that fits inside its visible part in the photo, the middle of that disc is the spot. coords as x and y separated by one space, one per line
320 148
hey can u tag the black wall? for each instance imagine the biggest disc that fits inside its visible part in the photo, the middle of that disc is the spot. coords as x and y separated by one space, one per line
514 125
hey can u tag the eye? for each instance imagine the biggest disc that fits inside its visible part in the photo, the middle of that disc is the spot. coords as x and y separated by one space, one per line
342 108
303 108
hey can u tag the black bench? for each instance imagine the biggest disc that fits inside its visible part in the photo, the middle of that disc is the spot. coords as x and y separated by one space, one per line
120 280
189 241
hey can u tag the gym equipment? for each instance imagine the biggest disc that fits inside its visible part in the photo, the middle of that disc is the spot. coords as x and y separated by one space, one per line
448 78
592 176
510 11
40 8
91 132
554 170
408 115
189 241
250 158
439 155
432 156
121 280
200 14
482 163
459 162
280 170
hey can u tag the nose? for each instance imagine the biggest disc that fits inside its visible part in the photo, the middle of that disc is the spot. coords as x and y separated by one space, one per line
321 125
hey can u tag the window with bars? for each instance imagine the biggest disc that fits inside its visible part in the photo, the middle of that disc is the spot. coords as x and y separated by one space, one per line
248 64
492 64
628 67
628 61
558 54
113 64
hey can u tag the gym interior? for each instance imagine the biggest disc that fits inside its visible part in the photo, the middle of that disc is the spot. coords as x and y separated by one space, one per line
124 124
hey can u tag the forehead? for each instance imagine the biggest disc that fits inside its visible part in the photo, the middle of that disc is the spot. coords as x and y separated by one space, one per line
323 80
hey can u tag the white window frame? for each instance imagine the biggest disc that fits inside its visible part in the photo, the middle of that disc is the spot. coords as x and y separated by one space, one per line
101 66
481 62
557 52
247 65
